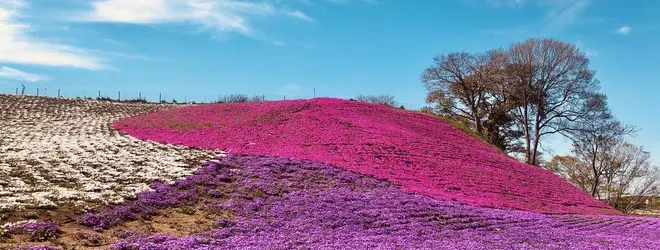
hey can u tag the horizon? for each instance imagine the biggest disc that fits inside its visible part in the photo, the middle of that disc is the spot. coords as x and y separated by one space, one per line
302 48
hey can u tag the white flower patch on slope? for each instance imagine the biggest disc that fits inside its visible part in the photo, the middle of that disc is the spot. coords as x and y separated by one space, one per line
54 151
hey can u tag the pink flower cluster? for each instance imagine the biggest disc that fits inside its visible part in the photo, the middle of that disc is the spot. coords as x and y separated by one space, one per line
421 153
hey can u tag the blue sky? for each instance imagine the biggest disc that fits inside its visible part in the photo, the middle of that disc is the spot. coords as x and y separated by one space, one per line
199 49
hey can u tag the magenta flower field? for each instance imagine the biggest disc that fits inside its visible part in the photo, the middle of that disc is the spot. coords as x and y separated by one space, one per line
420 153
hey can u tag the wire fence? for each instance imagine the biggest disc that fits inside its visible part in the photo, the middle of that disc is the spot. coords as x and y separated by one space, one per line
156 96
151 96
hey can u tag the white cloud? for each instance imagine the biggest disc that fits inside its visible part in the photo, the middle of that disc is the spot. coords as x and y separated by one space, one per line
18 44
14 74
624 30
278 43
300 15
219 15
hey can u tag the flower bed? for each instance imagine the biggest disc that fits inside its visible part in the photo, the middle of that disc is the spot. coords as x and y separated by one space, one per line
275 203
422 154
56 151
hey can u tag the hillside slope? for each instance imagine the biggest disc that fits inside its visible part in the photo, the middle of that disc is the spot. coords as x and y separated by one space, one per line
422 154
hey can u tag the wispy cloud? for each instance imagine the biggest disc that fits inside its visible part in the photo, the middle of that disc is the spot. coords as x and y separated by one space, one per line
280 44
559 15
223 16
625 30
300 15
312 2
590 52
15 74
18 44
563 13
358 1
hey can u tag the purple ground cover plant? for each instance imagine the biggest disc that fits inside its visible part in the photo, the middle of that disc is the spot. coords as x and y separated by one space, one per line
38 248
37 231
277 203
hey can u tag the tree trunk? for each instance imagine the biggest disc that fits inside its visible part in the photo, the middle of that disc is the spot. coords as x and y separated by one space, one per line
537 136
480 127
594 189
528 137
535 152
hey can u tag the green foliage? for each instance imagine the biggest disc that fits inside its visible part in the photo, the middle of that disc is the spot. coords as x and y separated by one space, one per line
456 122
465 128
188 210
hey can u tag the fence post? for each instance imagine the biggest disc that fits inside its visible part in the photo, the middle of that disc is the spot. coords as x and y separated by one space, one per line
58 93
160 97
22 89
314 93
17 91
139 95
119 96
285 98
37 91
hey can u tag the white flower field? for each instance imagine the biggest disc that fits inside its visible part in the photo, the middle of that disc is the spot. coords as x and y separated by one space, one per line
64 151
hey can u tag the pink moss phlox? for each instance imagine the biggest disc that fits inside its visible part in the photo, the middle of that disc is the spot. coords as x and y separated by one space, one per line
422 154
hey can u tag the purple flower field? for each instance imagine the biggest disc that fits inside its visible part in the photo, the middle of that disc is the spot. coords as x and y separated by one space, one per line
275 203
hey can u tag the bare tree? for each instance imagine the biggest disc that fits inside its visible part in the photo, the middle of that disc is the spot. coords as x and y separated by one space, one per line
573 170
474 88
233 98
625 177
629 177
456 85
378 99
258 98
554 90
427 110
594 140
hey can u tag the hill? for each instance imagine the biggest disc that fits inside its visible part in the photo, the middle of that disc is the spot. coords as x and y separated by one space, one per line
420 153
260 201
